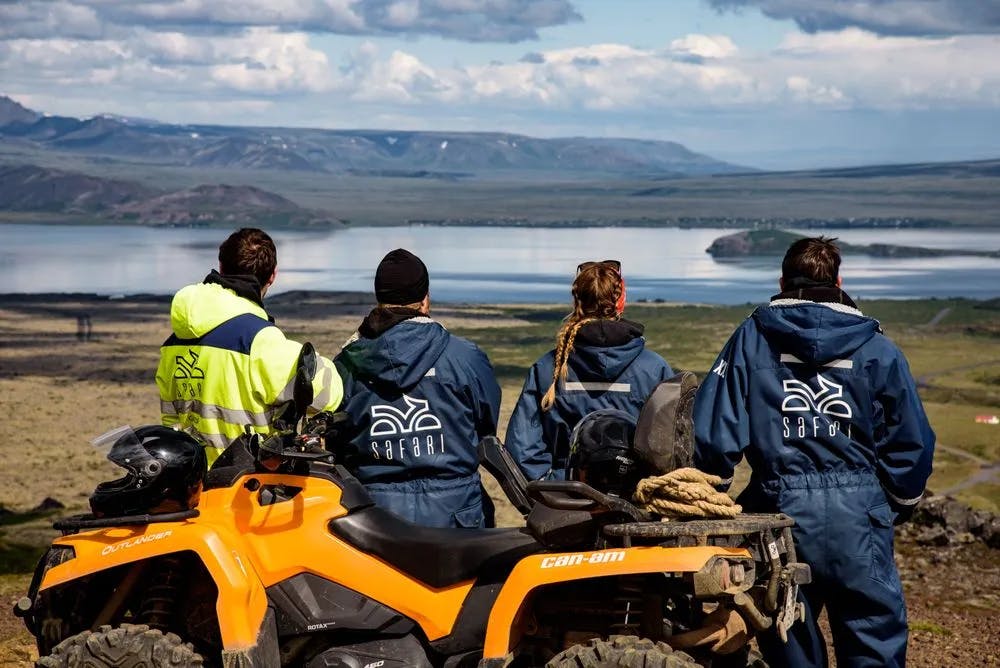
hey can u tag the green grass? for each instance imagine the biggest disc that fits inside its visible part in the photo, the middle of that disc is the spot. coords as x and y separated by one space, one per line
929 627
956 426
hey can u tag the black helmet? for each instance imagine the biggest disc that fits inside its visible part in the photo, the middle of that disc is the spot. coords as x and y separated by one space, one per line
601 453
165 472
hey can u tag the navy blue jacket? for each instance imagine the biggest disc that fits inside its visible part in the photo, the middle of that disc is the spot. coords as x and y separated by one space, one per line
804 387
827 413
420 400
609 367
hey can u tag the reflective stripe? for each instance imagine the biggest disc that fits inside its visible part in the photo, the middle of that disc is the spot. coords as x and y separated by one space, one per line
325 378
594 386
838 364
430 372
834 306
287 392
904 502
213 412
217 441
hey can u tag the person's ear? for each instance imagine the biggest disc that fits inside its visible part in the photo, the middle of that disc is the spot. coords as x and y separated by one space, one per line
425 304
270 281
840 281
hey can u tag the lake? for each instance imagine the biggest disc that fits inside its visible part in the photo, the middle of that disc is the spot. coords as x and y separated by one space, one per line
480 264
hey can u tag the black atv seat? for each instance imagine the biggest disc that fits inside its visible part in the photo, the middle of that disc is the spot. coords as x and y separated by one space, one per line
437 557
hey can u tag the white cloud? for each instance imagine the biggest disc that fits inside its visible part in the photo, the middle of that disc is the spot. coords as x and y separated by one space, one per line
259 61
897 72
704 46
845 70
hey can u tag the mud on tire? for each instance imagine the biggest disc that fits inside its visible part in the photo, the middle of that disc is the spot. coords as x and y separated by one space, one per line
125 646
630 651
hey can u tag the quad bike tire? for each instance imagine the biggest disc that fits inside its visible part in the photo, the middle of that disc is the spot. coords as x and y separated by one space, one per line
627 651
125 646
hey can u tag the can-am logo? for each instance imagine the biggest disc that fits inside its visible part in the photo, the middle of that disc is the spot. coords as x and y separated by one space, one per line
141 540
583 558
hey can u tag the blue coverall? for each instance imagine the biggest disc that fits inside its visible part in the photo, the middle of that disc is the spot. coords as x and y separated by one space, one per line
826 412
609 367
420 400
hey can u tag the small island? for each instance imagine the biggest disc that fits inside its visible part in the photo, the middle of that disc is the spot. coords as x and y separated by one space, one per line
751 243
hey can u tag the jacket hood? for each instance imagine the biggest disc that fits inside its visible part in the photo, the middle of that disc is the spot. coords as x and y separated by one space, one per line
198 309
401 355
603 349
815 332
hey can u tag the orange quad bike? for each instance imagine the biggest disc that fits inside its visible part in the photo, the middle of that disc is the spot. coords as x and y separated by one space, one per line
281 559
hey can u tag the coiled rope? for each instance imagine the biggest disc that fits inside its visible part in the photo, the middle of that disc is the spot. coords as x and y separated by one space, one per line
684 493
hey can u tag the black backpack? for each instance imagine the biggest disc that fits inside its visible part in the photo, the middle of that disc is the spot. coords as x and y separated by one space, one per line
664 435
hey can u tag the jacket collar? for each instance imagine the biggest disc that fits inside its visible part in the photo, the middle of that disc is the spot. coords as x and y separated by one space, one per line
824 294
383 318
244 285
608 333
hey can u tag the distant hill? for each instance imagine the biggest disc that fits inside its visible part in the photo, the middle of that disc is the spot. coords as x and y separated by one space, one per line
949 169
12 113
29 188
345 151
750 243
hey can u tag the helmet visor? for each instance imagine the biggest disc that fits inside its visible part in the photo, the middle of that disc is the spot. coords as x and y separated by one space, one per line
123 447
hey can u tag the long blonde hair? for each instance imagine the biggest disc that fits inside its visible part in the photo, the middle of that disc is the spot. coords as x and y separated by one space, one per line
596 291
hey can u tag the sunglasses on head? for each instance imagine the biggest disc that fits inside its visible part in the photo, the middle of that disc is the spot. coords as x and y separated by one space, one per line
614 264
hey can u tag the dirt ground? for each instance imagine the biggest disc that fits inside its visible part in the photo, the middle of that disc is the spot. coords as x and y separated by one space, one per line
60 387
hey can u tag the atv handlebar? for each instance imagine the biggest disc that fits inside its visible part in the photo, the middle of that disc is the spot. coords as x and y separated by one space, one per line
309 444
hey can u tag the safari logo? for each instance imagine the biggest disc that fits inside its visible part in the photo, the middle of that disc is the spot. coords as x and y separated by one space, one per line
387 420
391 426
799 396
831 415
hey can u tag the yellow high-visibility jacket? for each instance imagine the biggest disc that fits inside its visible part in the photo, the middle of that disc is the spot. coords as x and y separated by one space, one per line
226 366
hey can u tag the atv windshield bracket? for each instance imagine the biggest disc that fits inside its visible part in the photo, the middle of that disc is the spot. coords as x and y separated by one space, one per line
79 522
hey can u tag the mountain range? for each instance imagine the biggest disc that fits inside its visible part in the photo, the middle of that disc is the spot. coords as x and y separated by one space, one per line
358 152
118 169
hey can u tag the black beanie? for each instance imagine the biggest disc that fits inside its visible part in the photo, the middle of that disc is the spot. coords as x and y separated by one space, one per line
401 278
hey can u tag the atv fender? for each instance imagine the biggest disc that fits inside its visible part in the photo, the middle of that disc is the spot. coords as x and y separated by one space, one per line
239 590
502 630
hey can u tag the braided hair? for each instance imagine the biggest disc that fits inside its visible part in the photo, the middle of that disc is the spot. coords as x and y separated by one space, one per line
596 291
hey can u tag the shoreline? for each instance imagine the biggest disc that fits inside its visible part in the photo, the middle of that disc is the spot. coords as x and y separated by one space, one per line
293 298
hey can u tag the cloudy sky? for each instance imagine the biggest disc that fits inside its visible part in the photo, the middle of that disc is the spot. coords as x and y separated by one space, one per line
769 83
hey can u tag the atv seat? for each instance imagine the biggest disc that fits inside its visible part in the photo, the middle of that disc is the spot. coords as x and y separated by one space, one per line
437 557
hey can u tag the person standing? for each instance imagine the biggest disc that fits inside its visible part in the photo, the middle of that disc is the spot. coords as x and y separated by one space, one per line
600 361
420 399
825 410
226 365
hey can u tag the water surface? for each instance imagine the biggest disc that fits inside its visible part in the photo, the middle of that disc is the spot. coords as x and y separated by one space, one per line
480 264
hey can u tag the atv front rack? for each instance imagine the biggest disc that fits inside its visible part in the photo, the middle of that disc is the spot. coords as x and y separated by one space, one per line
741 525
757 531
